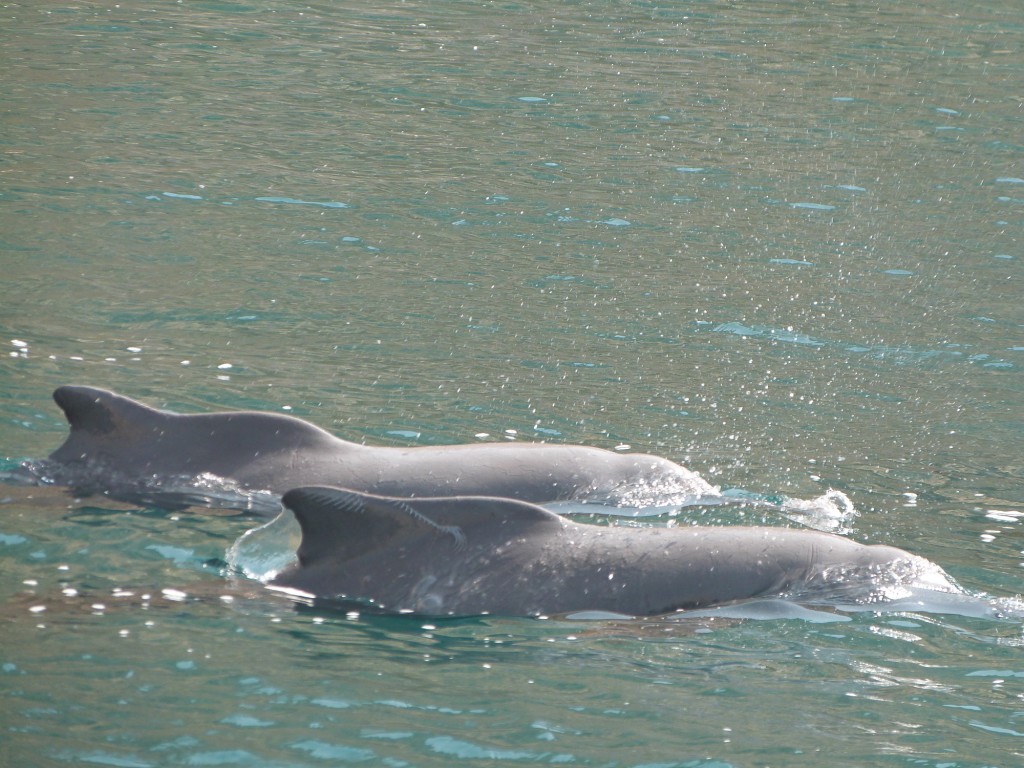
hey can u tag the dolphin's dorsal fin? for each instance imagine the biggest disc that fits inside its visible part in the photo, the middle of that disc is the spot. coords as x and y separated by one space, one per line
343 524
97 411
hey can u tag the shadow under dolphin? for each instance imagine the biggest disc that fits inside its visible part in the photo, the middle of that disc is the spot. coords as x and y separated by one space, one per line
132 452
461 556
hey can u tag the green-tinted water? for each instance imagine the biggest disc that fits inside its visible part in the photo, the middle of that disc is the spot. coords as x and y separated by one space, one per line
779 243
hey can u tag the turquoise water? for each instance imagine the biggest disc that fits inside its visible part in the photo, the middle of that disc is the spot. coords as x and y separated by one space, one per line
778 243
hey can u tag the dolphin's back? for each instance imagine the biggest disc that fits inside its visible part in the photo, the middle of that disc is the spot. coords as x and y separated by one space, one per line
467 555
120 434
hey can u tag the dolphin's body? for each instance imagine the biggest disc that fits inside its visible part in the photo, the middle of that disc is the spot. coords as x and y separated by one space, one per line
476 555
126 449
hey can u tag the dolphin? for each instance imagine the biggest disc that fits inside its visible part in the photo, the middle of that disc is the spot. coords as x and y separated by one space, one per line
461 556
129 451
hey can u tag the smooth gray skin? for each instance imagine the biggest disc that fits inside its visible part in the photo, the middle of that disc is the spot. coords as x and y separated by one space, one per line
475 555
115 440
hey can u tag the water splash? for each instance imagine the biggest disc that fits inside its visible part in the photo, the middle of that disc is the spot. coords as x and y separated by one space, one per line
261 553
680 488
879 584
911 585
832 512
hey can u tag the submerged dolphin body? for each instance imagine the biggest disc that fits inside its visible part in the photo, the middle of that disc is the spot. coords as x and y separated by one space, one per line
128 450
464 556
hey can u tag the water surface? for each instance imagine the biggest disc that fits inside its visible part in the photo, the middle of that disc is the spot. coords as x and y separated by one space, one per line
777 243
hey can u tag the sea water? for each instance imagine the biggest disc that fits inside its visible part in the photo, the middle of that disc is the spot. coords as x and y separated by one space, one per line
777 243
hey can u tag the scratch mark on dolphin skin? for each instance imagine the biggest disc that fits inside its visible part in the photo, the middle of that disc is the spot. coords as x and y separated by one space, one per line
344 502
452 530
353 503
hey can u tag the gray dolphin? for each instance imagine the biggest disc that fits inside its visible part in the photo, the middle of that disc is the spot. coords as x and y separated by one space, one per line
129 450
475 555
